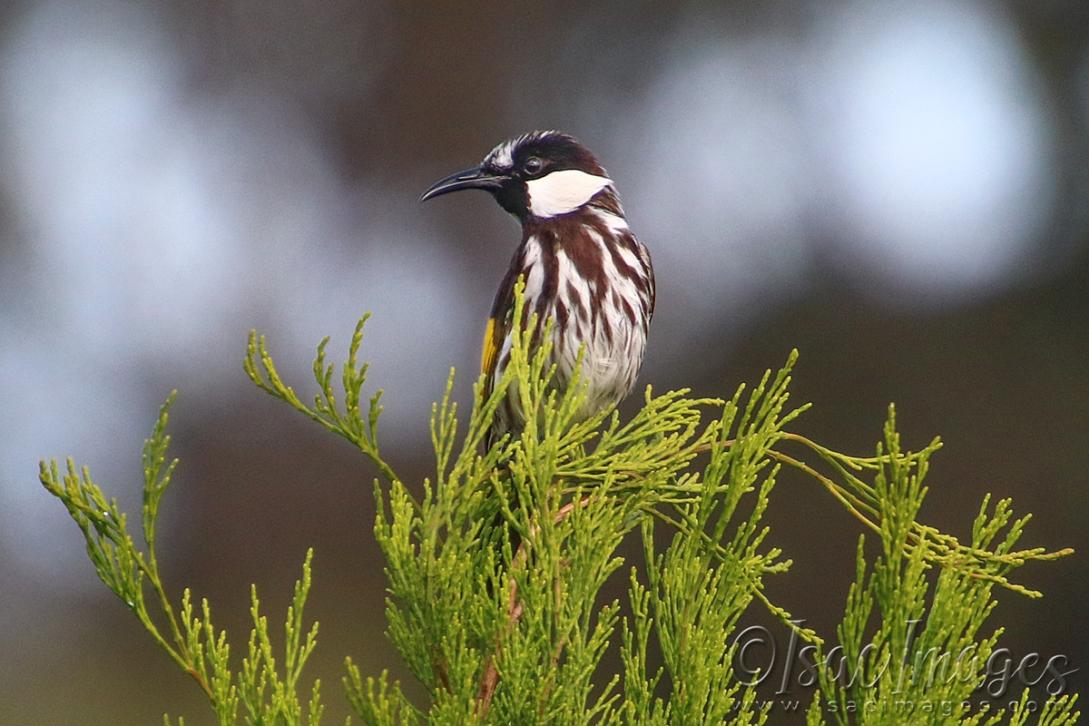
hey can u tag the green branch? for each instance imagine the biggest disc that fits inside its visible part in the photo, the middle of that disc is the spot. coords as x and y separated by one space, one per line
495 565
187 635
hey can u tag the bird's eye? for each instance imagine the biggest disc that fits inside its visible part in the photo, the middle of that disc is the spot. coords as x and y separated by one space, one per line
532 165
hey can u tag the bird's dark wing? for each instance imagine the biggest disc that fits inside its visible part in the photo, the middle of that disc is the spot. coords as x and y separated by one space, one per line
498 326
489 355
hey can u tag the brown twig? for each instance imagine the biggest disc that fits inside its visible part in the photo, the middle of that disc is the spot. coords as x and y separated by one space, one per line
490 680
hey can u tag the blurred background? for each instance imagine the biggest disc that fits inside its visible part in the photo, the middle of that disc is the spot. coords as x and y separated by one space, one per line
899 190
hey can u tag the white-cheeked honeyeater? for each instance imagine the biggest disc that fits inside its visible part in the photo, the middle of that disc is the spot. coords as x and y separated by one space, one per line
582 267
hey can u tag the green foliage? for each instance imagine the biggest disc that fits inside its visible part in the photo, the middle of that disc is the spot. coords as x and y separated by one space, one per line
496 564
910 645
268 696
707 577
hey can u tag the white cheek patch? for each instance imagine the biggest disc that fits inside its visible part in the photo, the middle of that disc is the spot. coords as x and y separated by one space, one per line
563 191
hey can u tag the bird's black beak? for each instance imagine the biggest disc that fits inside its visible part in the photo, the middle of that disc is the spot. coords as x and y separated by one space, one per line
475 178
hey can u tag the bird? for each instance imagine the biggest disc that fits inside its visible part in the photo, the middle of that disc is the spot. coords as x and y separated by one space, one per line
581 264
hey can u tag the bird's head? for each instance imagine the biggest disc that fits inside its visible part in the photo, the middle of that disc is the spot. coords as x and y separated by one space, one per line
540 175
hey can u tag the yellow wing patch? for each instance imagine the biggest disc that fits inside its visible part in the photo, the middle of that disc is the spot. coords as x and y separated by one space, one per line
490 349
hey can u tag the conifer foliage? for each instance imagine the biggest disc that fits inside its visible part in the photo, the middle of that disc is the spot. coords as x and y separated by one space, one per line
495 565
